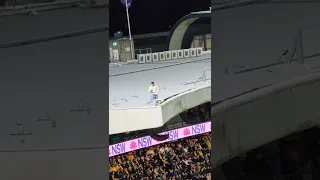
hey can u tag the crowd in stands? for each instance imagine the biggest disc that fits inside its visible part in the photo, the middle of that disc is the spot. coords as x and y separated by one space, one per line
184 159
295 157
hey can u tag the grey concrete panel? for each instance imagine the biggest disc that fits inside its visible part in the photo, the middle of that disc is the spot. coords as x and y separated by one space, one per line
249 121
170 80
256 35
225 86
63 165
53 77
50 23
261 33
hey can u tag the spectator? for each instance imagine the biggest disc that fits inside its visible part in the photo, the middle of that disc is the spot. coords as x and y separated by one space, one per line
184 159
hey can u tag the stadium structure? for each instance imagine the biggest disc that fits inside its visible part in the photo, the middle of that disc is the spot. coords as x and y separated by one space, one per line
184 82
266 94
52 67
192 30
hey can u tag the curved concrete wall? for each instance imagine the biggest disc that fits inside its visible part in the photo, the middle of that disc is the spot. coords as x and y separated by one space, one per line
261 33
184 101
249 121
201 26
183 30
134 119
178 34
52 77
160 114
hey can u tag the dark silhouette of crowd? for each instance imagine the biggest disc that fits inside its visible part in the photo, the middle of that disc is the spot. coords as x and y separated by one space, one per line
184 159
295 157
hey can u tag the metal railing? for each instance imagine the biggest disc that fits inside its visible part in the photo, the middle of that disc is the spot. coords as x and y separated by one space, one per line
142 51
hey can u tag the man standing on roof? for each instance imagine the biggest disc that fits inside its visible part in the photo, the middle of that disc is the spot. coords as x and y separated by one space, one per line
154 90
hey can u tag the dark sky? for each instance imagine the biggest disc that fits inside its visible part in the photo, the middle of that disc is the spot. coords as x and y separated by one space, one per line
149 16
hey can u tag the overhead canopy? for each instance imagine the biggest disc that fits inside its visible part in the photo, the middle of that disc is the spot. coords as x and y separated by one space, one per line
187 27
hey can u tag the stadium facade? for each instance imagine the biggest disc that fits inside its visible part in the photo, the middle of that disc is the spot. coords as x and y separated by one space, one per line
53 77
193 27
57 151
125 104
192 30
275 80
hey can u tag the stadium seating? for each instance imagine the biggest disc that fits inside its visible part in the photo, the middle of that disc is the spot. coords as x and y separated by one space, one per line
188 158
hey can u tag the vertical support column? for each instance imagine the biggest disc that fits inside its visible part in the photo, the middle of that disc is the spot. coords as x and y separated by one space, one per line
204 42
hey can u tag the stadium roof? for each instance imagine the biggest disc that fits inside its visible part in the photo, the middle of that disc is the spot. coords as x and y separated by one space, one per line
182 33
128 90
170 76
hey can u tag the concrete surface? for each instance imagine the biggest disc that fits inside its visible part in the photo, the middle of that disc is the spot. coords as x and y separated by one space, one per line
249 121
50 23
257 35
261 33
170 76
52 77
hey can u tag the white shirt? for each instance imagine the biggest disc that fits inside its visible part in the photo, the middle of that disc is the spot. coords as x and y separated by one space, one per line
186 162
162 150
153 89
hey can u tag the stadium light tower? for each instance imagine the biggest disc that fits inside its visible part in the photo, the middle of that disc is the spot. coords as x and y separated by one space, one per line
129 27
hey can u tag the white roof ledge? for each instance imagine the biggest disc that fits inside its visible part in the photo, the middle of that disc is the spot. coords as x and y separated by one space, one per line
134 119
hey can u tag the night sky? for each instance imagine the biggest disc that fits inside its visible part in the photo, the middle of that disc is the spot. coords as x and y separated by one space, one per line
150 16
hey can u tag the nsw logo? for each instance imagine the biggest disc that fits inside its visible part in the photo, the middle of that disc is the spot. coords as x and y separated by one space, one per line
133 145
186 131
